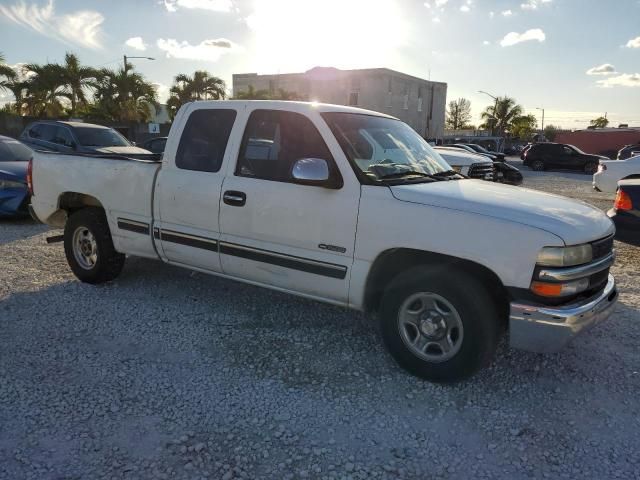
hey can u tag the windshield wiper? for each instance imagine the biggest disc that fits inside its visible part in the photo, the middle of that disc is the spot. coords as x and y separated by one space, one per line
406 173
446 173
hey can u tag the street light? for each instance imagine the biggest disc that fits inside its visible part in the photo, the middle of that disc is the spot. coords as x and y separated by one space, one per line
495 108
126 58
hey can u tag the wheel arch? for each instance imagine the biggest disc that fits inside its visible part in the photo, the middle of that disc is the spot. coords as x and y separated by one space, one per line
392 262
70 202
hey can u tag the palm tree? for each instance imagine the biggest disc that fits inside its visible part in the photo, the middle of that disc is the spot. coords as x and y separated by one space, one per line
123 95
18 87
45 89
77 80
500 117
202 86
5 70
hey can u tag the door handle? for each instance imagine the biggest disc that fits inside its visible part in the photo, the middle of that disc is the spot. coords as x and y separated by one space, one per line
234 198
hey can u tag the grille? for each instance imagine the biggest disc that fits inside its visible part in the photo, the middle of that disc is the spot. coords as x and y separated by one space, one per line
483 171
602 248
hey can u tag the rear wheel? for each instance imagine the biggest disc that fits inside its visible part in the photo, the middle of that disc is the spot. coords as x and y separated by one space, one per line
89 248
438 325
537 165
590 168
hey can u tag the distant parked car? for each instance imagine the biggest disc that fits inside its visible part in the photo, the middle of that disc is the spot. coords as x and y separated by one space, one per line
626 212
628 151
77 137
469 164
481 149
155 145
548 156
467 148
611 171
14 196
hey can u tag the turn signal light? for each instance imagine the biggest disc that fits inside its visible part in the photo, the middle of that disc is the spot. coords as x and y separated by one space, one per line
623 201
602 167
30 177
547 289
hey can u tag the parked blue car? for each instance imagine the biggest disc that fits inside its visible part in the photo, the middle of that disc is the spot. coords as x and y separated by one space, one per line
14 195
77 137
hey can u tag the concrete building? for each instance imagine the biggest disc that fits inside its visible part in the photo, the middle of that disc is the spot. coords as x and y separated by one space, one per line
420 103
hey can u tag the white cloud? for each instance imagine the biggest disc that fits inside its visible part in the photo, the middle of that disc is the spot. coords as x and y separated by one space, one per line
162 90
506 13
82 28
435 19
207 50
214 5
136 43
634 43
492 14
486 42
623 80
465 8
604 69
441 3
513 38
533 4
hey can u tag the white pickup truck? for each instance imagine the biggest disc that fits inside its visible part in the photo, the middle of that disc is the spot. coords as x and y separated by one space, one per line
292 197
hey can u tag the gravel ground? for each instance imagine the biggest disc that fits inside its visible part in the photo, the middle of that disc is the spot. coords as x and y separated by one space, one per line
166 373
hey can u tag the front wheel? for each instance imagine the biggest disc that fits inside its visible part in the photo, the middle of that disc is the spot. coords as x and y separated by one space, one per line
537 165
89 248
439 325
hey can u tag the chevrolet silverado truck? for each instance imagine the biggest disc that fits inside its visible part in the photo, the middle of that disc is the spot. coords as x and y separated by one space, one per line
291 196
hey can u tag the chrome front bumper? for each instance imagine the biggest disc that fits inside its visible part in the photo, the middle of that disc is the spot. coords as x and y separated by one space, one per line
543 329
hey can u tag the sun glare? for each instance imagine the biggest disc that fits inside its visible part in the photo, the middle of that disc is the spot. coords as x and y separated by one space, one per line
295 35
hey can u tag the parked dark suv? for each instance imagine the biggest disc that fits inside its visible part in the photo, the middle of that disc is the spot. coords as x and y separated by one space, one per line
68 137
627 151
549 156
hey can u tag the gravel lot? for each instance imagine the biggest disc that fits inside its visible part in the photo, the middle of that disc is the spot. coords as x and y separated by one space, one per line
166 373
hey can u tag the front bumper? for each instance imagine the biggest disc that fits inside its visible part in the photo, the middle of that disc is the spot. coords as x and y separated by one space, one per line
543 329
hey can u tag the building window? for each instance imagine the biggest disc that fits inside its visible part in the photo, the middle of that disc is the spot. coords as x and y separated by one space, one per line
355 83
354 99
419 104
389 100
406 101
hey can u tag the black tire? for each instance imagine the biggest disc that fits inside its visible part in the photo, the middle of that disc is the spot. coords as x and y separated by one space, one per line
108 262
537 165
590 168
475 308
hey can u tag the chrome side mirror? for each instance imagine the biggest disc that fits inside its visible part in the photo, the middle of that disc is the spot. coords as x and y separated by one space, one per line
311 171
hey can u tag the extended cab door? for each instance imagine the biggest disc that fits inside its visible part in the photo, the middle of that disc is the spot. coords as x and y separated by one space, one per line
281 233
187 192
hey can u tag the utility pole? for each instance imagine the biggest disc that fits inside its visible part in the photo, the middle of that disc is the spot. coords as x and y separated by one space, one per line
542 129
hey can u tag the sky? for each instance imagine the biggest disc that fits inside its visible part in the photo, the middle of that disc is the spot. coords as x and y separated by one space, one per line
577 59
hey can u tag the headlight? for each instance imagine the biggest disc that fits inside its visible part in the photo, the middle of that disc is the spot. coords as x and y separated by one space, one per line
565 256
8 184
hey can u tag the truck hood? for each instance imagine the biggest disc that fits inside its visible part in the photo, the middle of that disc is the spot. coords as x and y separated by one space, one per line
120 150
573 221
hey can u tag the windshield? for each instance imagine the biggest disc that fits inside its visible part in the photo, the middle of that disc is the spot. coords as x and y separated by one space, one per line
100 137
479 148
577 149
384 148
14 151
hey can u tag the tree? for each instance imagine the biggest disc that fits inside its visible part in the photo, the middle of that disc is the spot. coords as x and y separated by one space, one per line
550 132
523 126
458 114
77 79
45 90
281 94
600 122
500 116
202 86
123 95
5 71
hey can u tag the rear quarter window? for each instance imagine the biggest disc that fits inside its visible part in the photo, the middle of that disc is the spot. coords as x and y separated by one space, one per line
204 140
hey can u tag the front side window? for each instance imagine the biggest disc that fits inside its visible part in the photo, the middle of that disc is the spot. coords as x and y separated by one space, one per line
63 137
204 140
274 140
384 149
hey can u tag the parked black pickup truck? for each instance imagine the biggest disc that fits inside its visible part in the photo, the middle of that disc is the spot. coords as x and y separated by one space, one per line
626 212
548 156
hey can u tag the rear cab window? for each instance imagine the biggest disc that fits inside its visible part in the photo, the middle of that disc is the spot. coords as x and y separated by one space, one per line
204 140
